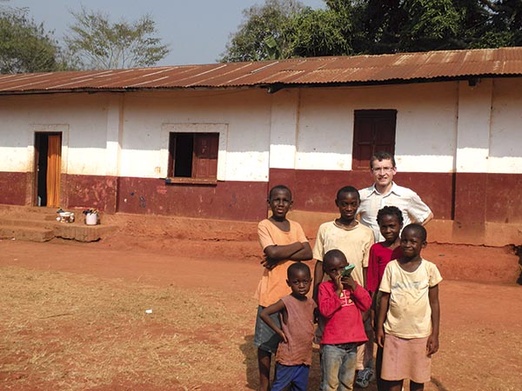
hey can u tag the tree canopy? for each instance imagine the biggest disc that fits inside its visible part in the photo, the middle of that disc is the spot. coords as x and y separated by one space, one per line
96 43
24 45
93 43
263 35
346 27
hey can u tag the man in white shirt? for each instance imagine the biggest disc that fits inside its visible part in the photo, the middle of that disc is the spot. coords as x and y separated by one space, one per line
385 192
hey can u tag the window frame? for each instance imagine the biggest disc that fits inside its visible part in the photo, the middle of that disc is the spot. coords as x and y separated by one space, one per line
196 176
193 128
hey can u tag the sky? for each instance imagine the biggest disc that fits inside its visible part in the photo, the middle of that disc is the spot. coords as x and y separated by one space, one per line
196 31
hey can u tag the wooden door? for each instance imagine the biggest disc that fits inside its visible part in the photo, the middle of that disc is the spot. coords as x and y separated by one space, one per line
54 169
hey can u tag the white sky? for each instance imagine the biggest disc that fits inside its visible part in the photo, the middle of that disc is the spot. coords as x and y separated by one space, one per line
195 30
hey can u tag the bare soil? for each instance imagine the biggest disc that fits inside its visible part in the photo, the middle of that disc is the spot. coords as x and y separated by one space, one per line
74 313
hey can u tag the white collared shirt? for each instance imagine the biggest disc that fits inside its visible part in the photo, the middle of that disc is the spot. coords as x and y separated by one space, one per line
412 207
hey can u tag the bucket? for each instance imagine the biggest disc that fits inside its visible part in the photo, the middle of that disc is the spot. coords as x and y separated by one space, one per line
91 218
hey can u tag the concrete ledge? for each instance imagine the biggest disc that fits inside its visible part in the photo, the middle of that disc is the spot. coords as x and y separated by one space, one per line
81 232
33 234
42 228
15 222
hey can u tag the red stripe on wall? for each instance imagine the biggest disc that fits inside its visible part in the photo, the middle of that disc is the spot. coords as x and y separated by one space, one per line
468 199
14 188
245 201
315 190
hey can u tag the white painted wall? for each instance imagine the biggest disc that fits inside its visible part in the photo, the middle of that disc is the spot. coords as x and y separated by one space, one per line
244 114
505 153
441 127
425 134
325 130
284 128
81 118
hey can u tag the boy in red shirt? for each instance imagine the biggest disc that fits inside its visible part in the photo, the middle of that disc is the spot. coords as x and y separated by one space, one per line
340 302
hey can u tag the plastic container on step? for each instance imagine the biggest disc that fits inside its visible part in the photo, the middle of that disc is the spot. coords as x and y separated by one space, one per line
91 218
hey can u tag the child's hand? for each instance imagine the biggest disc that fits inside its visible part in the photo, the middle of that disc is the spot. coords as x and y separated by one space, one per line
432 346
349 282
283 336
317 314
268 263
379 337
338 283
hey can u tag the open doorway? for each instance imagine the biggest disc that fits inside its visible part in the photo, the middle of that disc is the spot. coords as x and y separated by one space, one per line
48 161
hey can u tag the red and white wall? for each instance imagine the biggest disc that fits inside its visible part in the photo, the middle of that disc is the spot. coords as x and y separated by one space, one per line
459 147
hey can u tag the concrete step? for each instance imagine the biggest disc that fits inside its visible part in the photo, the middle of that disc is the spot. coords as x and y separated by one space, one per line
40 225
25 222
82 232
33 234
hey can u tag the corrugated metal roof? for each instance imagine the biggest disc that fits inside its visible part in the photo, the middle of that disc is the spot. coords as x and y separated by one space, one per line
378 69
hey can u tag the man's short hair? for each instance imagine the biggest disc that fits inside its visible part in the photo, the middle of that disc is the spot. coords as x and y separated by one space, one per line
380 156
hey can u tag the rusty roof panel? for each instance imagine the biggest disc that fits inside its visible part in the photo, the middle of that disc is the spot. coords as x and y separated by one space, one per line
386 68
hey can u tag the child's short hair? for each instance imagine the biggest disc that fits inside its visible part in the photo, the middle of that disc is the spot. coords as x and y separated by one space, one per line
279 187
390 211
349 190
333 254
418 229
297 267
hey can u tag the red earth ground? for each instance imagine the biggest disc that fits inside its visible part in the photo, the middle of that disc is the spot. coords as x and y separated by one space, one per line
479 294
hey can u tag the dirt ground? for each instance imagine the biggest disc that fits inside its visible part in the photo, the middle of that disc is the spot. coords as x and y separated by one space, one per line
480 302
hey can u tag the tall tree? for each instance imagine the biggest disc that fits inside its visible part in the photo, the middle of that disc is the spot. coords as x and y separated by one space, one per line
263 34
313 33
24 45
96 43
504 27
413 25
276 30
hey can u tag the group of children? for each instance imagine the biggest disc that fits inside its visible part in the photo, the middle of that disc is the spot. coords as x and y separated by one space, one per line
361 290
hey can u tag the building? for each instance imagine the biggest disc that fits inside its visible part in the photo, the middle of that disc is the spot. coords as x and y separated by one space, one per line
209 140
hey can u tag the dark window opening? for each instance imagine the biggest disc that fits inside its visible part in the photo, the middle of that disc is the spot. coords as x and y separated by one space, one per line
184 146
193 157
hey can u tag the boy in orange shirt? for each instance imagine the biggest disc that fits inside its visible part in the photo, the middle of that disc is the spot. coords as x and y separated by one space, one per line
283 242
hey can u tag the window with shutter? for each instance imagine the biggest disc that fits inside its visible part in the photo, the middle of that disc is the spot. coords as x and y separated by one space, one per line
193 157
374 131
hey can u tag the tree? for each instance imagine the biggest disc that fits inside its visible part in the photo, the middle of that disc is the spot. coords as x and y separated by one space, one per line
504 27
24 45
313 33
263 34
276 30
96 43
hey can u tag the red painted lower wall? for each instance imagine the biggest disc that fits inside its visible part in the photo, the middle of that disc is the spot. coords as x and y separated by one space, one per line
469 200
316 190
503 200
244 201
13 187
89 191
